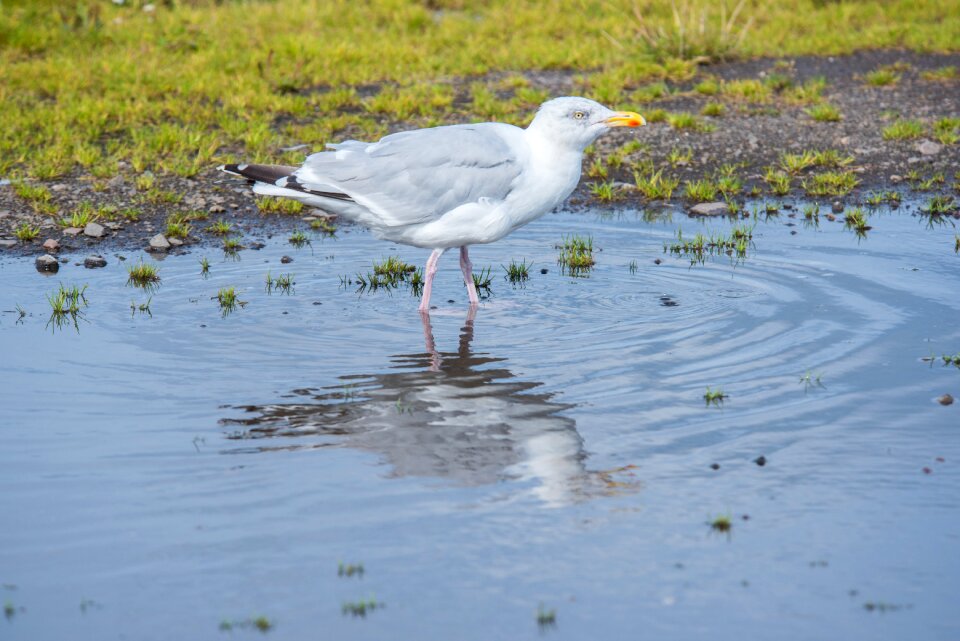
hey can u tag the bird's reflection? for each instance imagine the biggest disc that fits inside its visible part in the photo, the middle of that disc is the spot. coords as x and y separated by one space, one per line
461 416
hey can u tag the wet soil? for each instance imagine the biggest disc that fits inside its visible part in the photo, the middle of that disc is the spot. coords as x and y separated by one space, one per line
753 136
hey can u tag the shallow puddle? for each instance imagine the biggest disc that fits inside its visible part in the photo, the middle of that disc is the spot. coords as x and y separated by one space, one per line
170 470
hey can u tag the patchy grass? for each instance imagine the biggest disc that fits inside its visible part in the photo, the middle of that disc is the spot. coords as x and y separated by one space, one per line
66 306
228 300
697 249
722 523
904 130
361 608
259 623
824 112
856 219
546 618
831 183
482 281
713 109
26 232
143 275
941 74
688 121
576 254
273 205
298 239
714 396
220 228
350 569
517 272
605 192
704 190
882 77
282 283
204 267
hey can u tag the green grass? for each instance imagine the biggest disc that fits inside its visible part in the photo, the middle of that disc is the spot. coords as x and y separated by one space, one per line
856 219
940 205
259 623
177 229
576 254
795 163
722 523
882 77
350 569
272 205
282 283
204 267
362 607
323 226
824 112
206 95
232 245
713 109
831 158
228 300
605 192
830 183
220 228
904 130
546 618
298 239
947 130
482 281
697 249
679 157
143 275
517 272
66 306
778 181
655 186
941 74
704 190
714 396
83 214
688 121
26 232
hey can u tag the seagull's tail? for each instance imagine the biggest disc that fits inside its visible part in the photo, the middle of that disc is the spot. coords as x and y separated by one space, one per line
281 180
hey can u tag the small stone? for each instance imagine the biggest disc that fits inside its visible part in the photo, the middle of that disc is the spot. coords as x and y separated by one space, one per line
159 242
93 261
929 148
710 209
286 259
94 230
114 226
4 213
115 183
47 263
895 178
7 243
72 231
714 466
657 261
217 209
946 399
175 242
257 245
544 270
59 187
760 460
837 207
51 245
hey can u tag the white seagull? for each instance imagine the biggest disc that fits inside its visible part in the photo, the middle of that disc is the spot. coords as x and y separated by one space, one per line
450 186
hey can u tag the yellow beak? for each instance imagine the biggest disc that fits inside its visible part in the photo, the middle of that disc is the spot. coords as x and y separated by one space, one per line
625 119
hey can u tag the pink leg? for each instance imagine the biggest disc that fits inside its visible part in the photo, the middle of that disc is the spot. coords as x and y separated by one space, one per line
467 268
430 271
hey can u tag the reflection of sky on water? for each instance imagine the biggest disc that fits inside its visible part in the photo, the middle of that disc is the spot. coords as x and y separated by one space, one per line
461 416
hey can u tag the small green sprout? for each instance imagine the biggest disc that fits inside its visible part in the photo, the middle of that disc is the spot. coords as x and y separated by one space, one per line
517 272
26 233
546 618
714 397
350 569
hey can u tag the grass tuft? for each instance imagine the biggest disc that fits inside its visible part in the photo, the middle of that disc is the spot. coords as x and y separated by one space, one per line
576 254
143 275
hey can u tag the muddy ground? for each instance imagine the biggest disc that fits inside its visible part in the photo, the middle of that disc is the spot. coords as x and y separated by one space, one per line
751 136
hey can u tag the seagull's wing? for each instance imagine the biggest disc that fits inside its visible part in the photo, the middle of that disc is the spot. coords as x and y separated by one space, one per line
417 176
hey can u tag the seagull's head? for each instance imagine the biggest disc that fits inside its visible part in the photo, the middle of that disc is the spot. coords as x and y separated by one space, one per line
578 122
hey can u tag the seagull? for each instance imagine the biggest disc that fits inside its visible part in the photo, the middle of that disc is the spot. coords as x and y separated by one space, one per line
449 186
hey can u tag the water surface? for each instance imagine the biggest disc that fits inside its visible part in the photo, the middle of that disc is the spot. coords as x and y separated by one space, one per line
163 473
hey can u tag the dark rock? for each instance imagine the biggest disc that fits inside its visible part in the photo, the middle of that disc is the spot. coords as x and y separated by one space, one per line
946 399
286 259
544 270
714 466
837 207
760 460
47 263
93 261
257 245
657 261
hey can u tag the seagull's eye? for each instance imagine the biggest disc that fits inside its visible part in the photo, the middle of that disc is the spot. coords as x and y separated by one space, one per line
579 115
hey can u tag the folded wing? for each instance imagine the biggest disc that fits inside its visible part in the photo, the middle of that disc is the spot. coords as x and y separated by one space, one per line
417 176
